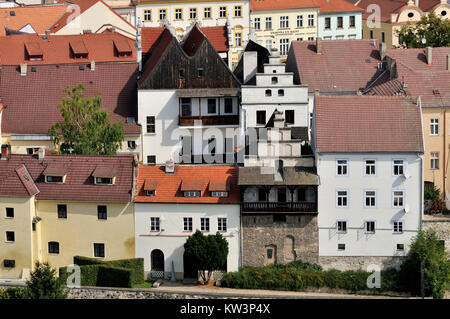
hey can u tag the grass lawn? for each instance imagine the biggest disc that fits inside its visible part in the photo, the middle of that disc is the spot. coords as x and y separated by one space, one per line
146 284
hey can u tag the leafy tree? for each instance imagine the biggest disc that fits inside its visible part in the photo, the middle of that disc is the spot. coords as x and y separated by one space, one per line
427 249
43 283
207 253
85 128
436 31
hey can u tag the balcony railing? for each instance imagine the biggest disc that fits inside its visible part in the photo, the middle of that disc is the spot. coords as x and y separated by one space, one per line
296 207
210 120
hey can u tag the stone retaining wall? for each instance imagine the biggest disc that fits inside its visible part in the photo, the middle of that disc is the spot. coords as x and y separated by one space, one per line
441 224
359 262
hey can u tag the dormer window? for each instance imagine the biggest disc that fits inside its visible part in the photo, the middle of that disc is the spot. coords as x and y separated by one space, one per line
34 52
54 179
219 188
78 49
105 175
219 194
55 173
122 47
192 194
150 187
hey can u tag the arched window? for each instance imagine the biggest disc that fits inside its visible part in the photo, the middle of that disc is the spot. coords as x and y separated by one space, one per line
268 92
274 80
157 264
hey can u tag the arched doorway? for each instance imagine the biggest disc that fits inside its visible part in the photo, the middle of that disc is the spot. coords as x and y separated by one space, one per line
189 268
157 263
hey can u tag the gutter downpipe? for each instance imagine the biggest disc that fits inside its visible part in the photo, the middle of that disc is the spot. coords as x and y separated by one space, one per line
421 156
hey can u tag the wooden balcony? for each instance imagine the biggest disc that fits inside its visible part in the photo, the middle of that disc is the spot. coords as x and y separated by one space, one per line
209 120
290 207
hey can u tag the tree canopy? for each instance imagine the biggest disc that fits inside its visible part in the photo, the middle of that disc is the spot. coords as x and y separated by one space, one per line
434 30
85 128
207 253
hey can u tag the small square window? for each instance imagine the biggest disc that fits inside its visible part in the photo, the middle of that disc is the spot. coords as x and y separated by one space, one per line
10 236
9 212
99 250
370 198
400 247
150 193
53 247
200 73
341 226
151 160
131 144
341 246
370 227
102 212
398 227
370 168
9 263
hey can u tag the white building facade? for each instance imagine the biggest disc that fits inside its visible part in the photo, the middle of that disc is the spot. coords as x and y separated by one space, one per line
370 202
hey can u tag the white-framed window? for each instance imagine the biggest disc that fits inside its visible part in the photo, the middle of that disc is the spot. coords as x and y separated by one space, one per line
369 226
187 223
192 194
284 46
222 224
370 167
310 20
434 160
434 127
370 198
154 224
342 167
219 194
179 14
269 45
257 24
398 167
284 22
352 22
204 224
300 21
341 226
398 198
269 23
398 227
342 198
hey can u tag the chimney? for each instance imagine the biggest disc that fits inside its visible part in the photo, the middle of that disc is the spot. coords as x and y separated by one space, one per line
250 65
416 2
41 154
5 151
382 51
170 167
429 55
318 45
92 65
448 62
316 92
23 69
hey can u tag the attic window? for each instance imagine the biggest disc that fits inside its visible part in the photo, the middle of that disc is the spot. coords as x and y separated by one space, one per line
34 52
411 14
150 187
436 92
192 194
150 193
104 175
368 60
12 13
54 179
122 47
55 173
78 49
219 194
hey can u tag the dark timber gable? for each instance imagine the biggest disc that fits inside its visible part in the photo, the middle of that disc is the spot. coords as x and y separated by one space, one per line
198 53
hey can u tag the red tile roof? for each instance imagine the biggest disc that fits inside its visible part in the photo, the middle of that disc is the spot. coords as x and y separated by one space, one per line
169 186
393 6
79 183
30 102
84 5
420 78
262 5
331 6
149 36
58 49
40 18
335 69
355 123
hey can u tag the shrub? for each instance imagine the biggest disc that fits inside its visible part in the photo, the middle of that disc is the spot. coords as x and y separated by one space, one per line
43 283
101 276
432 193
14 293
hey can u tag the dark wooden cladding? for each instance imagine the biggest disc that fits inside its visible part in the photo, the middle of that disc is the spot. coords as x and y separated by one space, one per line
165 74
296 207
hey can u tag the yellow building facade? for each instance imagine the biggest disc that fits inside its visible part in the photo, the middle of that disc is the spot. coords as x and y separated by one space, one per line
82 215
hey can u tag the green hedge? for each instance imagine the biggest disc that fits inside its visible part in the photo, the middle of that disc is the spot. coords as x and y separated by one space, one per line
101 276
300 276
136 265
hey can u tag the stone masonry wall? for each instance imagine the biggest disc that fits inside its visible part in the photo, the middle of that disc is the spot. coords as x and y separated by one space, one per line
441 225
294 239
359 262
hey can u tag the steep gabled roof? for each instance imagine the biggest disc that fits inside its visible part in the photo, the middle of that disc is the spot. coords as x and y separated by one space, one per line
23 175
40 18
334 6
355 123
268 5
343 66
59 49
30 102
169 187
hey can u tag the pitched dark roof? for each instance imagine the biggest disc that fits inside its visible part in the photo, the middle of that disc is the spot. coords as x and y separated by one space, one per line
30 102
292 176
355 123
79 183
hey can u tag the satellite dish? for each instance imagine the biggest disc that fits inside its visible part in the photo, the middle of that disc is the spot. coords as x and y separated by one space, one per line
423 40
406 209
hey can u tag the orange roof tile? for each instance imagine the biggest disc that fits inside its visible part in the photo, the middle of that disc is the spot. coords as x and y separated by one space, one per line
41 18
169 186
261 5
56 49
328 6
